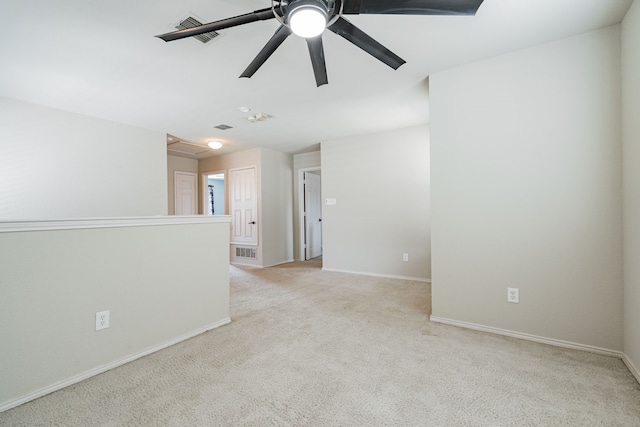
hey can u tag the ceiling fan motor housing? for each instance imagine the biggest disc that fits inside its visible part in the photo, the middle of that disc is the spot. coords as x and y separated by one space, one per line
307 18
322 5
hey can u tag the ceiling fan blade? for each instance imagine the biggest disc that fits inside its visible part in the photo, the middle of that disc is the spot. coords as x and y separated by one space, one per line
258 15
316 51
411 7
347 30
274 42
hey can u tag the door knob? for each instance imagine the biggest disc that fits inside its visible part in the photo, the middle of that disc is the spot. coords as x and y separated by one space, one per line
252 222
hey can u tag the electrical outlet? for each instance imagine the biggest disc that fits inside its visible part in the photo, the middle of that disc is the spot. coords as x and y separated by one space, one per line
513 295
102 320
405 257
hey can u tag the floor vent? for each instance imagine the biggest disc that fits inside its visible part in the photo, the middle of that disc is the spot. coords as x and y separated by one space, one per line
191 22
249 253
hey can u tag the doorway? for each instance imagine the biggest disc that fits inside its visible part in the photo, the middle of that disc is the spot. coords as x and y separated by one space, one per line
312 215
213 194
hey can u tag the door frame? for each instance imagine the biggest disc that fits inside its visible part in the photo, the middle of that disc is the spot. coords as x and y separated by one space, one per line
302 232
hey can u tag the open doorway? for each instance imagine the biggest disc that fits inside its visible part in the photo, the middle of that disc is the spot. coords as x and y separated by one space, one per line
311 208
213 195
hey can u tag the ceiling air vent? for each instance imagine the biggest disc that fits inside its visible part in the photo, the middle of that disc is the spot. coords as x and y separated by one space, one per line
223 127
191 22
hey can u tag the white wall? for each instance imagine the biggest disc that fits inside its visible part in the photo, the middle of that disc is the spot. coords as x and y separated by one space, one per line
631 150
526 191
226 162
55 164
277 207
381 186
178 164
275 210
54 281
300 162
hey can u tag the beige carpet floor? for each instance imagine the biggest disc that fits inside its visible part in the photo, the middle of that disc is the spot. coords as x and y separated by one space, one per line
309 347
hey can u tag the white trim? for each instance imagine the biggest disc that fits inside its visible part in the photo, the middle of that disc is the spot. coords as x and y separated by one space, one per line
70 224
631 367
390 276
245 264
528 337
242 264
235 263
278 263
100 369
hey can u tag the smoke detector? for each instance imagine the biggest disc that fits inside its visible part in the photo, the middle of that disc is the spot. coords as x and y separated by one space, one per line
260 117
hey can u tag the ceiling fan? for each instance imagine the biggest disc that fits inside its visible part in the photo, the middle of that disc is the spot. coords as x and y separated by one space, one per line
309 19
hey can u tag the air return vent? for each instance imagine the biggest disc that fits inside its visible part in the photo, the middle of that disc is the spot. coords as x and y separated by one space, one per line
248 253
223 127
191 22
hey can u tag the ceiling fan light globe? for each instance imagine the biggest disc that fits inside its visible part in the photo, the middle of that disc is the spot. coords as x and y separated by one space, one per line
308 20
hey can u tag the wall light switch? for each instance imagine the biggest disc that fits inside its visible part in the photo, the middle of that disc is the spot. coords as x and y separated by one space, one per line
330 202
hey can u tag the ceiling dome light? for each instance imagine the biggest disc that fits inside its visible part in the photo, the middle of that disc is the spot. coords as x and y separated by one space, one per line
216 145
308 18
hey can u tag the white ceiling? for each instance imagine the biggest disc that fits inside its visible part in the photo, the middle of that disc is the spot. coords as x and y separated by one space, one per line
101 59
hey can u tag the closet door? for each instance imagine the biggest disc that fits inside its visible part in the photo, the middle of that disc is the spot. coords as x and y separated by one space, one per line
185 193
243 196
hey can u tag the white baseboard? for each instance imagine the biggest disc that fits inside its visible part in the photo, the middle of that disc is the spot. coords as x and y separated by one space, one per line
100 369
390 276
279 263
634 370
528 337
543 340
244 264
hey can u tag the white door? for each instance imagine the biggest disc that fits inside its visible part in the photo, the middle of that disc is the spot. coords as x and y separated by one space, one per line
244 206
313 215
185 193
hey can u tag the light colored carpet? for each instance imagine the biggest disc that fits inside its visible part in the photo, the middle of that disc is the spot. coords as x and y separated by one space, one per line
318 348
